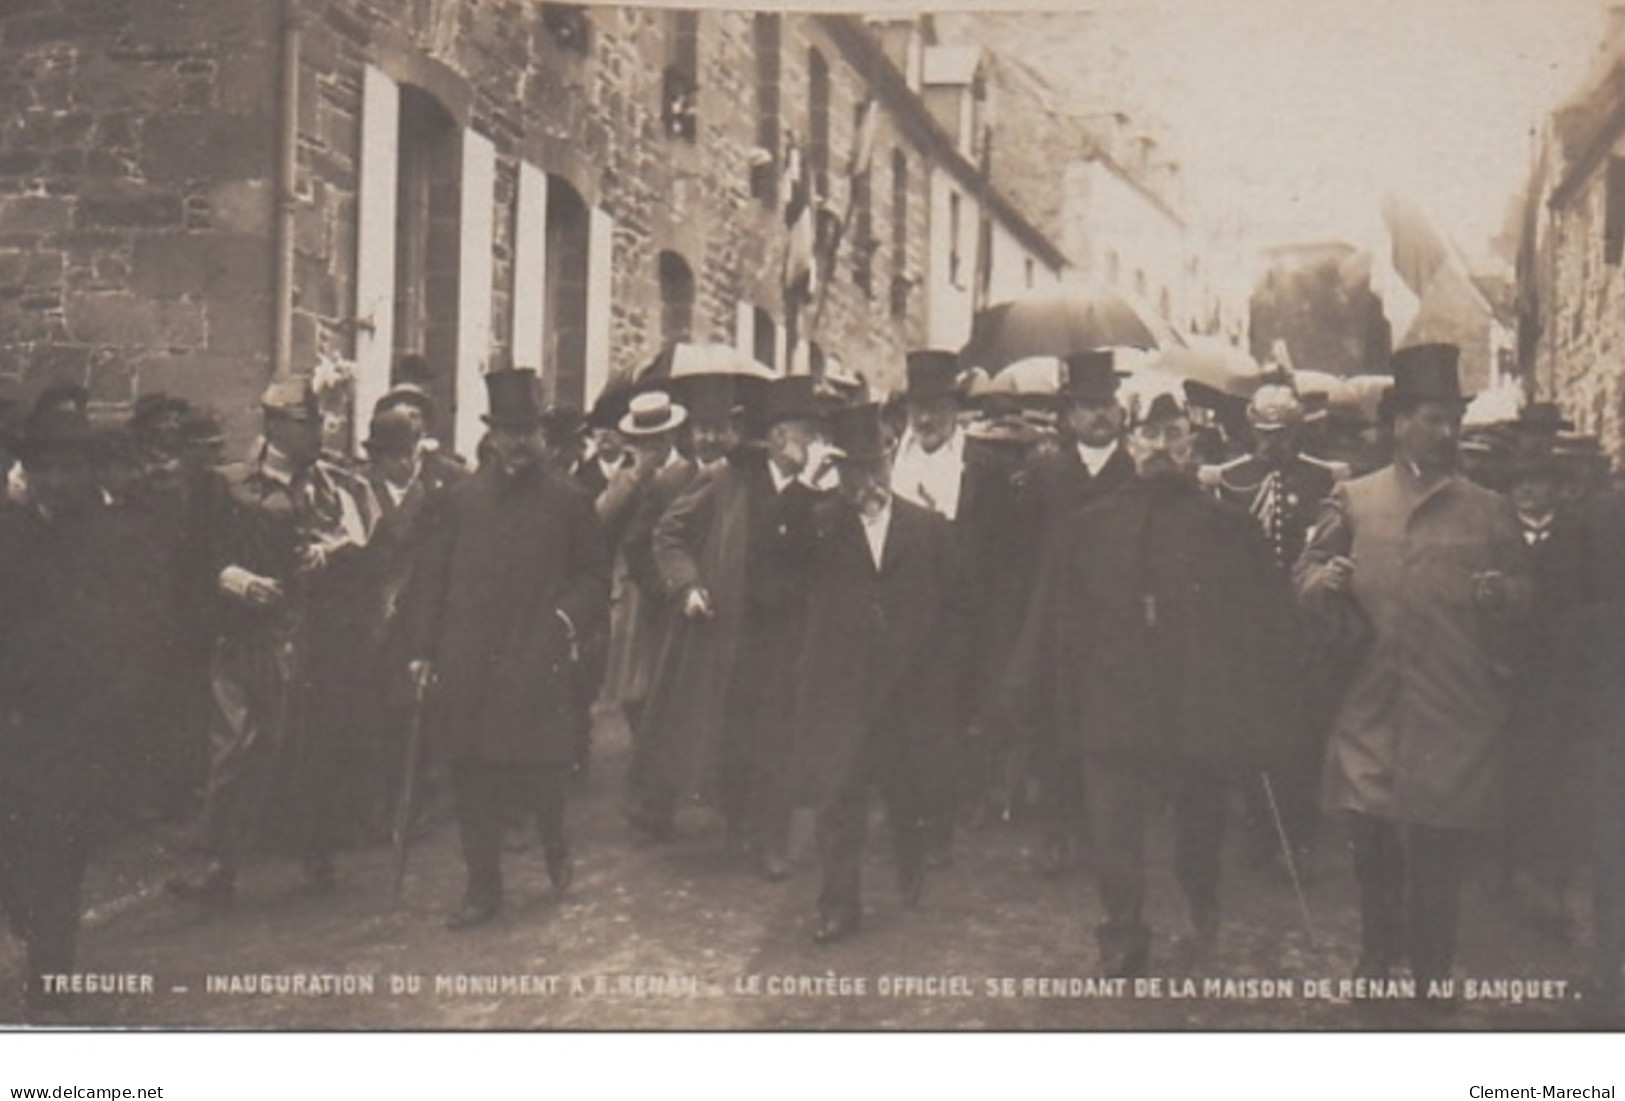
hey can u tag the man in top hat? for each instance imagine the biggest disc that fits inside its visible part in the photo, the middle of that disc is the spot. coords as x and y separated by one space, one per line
1438 568
516 578
290 580
1282 488
84 616
930 470
733 553
1156 639
1088 462
412 400
887 629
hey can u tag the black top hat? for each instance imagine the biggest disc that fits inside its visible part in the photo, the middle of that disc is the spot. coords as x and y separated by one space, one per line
513 400
932 373
857 434
1544 417
1426 372
55 430
1088 376
291 397
793 397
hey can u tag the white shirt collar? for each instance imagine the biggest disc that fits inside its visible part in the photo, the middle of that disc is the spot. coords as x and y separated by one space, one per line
1095 458
875 529
780 478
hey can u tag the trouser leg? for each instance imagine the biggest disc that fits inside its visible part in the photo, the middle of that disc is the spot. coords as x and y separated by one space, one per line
1379 867
480 805
842 823
1116 798
245 747
1433 892
1199 814
550 788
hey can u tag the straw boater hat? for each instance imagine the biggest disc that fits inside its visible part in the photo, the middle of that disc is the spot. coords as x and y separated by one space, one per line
651 414
292 398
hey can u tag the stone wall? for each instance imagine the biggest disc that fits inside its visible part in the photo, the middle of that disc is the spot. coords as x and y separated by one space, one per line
137 169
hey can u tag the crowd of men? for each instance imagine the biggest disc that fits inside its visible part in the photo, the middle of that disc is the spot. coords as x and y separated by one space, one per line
974 605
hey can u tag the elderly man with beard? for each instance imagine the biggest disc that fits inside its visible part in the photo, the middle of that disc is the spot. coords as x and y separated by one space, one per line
874 695
1438 567
516 577
733 553
1158 637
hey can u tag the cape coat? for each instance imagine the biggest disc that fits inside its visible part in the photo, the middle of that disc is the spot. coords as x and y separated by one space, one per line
1161 630
516 576
1419 737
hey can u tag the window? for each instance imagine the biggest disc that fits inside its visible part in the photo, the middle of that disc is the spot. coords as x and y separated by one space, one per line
564 361
955 228
764 174
863 230
680 104
900 282
568 26
1029 272
818 123
427 201
1613 229
764 341
676 298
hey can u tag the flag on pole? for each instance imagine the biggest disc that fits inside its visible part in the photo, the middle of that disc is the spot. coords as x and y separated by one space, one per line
800 275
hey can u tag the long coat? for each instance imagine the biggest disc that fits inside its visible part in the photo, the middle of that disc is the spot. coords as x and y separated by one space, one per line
882 647
702 539
1161 630
518 566
1419 736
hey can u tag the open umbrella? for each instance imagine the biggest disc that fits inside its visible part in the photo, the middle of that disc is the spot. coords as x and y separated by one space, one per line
1215 365
1033 376
1062 319
686 360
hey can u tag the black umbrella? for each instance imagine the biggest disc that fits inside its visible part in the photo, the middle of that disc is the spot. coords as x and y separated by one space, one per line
1062 319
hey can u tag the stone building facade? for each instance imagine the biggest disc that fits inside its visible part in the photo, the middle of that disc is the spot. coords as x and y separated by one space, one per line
198 194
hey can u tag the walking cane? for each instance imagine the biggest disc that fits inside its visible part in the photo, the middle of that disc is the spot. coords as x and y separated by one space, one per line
1286 853
406 800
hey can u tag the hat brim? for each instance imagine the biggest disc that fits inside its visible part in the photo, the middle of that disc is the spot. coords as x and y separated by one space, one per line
511 424
675 416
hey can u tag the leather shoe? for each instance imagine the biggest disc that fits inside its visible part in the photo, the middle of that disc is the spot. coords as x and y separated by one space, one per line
834 927
561 866
473 914
215 888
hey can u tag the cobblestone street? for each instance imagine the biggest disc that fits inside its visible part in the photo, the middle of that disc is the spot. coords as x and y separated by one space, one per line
674 937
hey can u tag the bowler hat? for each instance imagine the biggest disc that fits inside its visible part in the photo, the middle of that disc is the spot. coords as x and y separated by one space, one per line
651 413
406 393
793 397
932 373
1426 372
1544 417
291 397
391 433
562 420
1161 407
513 401
1088 376
857 435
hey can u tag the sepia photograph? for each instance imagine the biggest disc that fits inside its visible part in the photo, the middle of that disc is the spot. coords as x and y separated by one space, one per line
1103 517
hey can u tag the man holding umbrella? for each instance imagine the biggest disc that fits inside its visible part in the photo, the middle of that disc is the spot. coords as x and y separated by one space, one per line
874 698
1158 668
733 553
517 576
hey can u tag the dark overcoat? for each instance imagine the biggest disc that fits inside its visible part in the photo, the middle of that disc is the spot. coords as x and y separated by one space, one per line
516 574
703 539
883 647
1161 630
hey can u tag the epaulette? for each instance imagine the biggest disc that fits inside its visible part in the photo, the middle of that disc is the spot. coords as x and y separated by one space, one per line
1340 471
